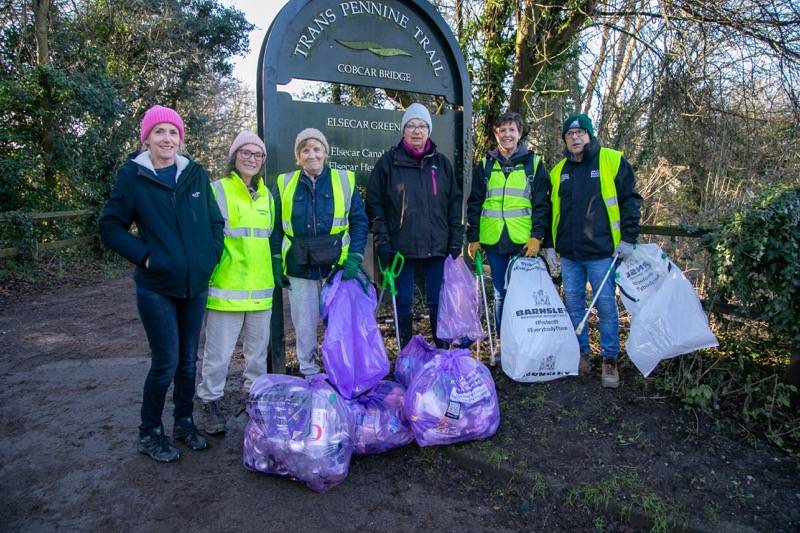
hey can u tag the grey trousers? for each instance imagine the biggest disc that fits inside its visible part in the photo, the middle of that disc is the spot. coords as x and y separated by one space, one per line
222 332
304 302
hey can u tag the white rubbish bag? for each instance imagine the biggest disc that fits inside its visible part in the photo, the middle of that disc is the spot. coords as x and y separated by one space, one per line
537 339
667 322
641 275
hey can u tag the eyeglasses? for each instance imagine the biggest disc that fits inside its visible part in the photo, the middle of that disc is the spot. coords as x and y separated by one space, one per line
247 154
576 133
416 127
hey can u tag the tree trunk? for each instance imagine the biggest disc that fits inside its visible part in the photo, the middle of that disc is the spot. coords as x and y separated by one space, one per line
496 51
588 93
545 34
41 26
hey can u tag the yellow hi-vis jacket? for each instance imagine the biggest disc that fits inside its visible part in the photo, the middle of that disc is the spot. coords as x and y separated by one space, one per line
343 184
609 167
243 280
507 203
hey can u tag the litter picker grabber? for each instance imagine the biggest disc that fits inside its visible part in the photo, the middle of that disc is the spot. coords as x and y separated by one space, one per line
596 294
479 273
388 277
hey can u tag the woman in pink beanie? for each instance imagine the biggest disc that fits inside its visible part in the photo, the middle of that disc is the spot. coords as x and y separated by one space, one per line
241 287
178 243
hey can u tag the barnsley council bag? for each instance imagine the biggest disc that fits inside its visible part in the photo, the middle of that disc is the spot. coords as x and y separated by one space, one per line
641 275
667 321
298 428
537 339
352 348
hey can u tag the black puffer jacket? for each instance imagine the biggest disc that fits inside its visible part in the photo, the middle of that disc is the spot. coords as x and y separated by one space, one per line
180 228
415 206
583 230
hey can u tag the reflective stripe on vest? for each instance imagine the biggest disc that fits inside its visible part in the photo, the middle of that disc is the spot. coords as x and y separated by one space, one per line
243 280
228 294
343 184
609 167
507 204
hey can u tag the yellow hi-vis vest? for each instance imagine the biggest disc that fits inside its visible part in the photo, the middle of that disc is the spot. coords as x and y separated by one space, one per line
507 203
243 281
343 185
609 166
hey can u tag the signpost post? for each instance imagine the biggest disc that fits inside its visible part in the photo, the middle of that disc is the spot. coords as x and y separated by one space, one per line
397 45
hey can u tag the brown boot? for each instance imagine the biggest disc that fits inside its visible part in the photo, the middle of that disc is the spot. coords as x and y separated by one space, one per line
584 365
610 378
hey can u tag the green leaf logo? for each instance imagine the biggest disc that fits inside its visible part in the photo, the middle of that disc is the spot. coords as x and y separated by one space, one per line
375 48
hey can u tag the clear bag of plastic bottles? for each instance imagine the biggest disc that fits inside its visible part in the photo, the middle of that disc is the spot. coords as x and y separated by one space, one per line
452 399
298 428
380 424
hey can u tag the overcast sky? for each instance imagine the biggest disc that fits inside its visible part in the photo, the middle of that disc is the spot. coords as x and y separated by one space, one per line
260 13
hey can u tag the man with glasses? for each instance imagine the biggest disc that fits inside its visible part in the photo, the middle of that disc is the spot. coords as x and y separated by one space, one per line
595 214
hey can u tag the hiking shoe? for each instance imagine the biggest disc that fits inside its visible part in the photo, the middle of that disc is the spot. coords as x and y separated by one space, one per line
610 373
214 419
584 365
187 432
157 446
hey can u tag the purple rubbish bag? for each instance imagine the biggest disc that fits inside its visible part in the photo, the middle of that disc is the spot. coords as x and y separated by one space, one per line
459 304
452 399
380 424
352 348
412 358
298 428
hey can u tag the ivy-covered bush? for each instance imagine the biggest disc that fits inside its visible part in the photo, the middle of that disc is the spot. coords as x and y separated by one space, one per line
756 258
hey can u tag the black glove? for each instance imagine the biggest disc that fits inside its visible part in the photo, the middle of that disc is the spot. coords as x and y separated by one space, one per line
385 254
455 251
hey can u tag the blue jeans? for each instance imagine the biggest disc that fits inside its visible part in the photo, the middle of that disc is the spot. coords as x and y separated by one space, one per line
574 275
498 263
433 269
173 328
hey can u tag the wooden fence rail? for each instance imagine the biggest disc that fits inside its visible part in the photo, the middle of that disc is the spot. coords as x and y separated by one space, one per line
50 246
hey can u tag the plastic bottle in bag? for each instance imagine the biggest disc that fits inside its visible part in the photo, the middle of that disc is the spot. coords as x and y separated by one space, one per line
380 424
452 399
416 354
298 428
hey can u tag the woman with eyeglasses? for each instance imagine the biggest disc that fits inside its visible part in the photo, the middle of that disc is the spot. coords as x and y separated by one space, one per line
414 207
241 288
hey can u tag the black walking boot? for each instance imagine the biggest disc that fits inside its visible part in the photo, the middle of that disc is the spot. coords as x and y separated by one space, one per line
187 432
156 445
434 318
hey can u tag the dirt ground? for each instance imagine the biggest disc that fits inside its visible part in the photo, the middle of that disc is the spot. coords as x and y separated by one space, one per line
72 362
